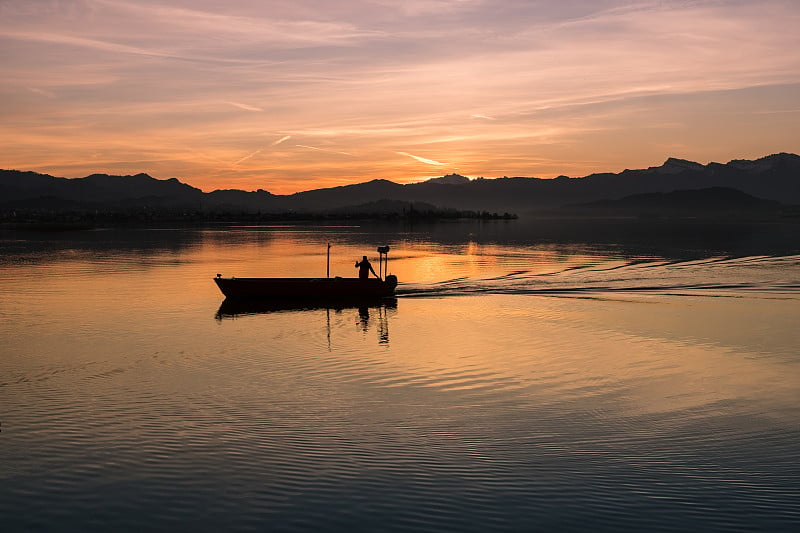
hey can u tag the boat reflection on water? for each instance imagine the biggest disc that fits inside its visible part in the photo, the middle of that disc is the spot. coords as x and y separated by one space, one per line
233 308
383 319
369 311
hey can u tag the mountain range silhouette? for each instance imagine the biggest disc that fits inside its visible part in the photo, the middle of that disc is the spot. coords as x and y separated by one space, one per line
774 178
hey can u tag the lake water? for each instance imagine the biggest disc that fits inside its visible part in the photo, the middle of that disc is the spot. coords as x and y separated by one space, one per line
552 376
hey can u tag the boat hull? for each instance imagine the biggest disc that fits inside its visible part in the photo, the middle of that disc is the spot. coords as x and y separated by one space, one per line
305 288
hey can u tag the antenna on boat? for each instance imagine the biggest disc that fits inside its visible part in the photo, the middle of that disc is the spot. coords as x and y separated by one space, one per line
328 270
383 252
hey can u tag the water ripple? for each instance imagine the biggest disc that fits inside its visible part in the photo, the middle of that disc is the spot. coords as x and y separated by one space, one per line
779 276
608 405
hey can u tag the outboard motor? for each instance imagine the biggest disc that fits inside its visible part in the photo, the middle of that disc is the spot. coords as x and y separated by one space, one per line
383 256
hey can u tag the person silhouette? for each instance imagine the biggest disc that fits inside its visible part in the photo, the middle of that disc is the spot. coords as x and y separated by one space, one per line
364 268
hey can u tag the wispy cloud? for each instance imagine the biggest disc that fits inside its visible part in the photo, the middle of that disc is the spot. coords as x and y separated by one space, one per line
423 159
42 92
85 42
259 26
316 148
246 107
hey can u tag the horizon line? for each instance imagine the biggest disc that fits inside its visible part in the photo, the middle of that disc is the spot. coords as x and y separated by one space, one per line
421 180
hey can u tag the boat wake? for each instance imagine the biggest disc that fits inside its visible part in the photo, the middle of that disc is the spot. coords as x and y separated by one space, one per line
766 276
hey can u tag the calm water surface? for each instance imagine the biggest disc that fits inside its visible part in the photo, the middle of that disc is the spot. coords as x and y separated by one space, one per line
527 377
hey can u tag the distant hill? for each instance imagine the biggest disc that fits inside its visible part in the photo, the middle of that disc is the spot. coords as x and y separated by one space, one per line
343 196
775 177
98 191
711 201
450 179
387 207
235 200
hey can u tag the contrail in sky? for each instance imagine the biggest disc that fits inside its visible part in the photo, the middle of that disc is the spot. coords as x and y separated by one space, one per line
279 141
322 149
423 159
245 158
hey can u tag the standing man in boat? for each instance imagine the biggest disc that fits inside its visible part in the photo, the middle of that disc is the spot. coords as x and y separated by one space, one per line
364 268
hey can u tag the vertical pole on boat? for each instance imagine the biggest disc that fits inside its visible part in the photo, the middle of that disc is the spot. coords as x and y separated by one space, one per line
384 269
328 270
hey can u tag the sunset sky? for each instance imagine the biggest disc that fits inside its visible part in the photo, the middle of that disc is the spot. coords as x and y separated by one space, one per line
290 96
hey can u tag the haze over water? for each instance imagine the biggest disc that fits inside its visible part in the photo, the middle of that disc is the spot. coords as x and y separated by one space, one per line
528 376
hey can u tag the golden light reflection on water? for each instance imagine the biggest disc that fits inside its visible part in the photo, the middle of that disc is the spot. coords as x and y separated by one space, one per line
555 350
714 346
292 251
116 365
